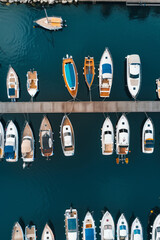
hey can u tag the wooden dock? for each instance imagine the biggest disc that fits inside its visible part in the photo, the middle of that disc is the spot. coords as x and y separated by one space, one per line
79 107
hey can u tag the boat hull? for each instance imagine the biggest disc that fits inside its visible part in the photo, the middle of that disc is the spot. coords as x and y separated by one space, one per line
1 141
107 234
47 233
156 225
89 71
107 137
148 126
17 232
122 228
53 23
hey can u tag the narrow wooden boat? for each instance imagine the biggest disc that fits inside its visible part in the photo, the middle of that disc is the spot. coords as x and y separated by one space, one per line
89 70
32 83
105 74
46 138
107 227
47 233
30 232
107 137
12 84
136 230
148 137
71 224
1 140
67 137
50 23
17 232
11 143
70 75
158 87
89 228
27 145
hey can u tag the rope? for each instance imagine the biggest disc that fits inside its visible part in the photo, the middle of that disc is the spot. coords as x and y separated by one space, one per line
146 115
90 96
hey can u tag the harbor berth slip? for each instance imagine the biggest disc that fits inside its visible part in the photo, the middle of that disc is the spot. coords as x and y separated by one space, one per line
79 107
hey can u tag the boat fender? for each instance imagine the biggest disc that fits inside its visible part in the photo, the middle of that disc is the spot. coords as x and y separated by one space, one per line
117 160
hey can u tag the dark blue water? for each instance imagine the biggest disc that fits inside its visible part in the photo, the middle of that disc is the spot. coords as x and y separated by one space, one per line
88 180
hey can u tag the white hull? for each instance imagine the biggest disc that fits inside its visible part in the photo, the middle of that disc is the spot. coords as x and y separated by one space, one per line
12 131
105 74
156 228
133 74
71 216
47 233
148 126
122 138
122 228
12 84
107 137
136 230
1 140
107 227
89 224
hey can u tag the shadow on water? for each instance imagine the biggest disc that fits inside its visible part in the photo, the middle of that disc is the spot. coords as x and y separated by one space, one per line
21 222
132 218
106 9
50 224
152 215
118 216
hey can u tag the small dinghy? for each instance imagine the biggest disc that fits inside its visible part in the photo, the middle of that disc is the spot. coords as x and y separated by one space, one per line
1 141
46 138
136 230
107 137
27 145
70 75
30 233
50 23
71 224
12 85
158 87
122 139
89 228
148 137
107 227
122 228
133 74
47 233
156 228
89 70
67 137
11 143
105 74
17 232
32 83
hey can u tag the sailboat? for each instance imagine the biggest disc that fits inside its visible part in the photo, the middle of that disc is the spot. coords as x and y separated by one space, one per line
50 23
89 70
12 85
47 233
17 232
46 138
71 224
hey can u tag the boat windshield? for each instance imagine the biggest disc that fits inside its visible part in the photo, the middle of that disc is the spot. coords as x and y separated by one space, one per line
148 131
134 75
10 136
122 227
107 132
67 134
123 130
158 229
137 231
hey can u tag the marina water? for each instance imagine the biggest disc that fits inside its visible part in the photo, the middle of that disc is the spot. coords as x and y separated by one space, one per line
88 180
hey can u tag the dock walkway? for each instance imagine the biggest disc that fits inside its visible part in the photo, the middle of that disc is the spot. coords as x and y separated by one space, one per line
79 107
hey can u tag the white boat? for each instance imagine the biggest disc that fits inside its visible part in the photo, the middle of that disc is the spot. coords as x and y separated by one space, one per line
32 83
1 141
105 74
71 224
11 143
107 137
17 232
67 137
156 228
133 74
122 138
148 137
47 233
122 228
158 87
12 84
107 227
136 230
27 145
30 232
89 228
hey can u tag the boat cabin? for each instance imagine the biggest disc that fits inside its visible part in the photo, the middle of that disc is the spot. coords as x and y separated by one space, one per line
67 135
27 147
108 232
70 75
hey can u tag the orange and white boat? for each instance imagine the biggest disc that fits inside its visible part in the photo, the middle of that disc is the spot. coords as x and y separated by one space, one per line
89 70
158 87
70 75
32 83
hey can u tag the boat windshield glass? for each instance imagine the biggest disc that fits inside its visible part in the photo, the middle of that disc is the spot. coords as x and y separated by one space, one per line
11 136
107 132
158 229
148 131
123 130
134 75
67 134
122 227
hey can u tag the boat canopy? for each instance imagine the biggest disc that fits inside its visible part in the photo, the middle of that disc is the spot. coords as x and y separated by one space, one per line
122 227
137 231
70 75
149 143
106 68
9 152
26 145
46 141
89 233
123 231
11 91
72 225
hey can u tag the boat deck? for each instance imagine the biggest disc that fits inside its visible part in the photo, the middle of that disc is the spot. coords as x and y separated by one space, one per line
108 148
